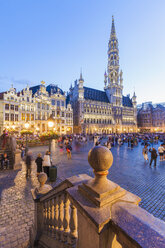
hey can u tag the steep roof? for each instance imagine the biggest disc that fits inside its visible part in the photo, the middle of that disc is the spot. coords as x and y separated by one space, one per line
53 89
126 101
95 95
34 88
1 95
67 99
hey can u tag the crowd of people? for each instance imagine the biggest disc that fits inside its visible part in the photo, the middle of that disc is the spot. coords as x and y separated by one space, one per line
133 140
65 147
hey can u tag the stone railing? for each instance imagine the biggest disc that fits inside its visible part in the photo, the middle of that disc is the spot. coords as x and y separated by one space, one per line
87 212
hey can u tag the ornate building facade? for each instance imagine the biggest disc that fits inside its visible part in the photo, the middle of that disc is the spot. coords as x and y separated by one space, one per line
151 117
107 111
35 105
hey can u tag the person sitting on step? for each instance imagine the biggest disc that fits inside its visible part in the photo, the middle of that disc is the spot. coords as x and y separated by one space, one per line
5 161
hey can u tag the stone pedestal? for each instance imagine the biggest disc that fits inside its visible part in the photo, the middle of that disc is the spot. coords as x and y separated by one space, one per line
94 200
17 163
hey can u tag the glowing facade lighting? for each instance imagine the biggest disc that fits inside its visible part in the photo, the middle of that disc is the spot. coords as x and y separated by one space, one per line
27 125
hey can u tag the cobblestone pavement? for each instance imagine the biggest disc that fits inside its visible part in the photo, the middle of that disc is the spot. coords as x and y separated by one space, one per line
128 170
16 208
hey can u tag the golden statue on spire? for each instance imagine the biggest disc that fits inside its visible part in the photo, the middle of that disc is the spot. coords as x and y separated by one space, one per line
43 82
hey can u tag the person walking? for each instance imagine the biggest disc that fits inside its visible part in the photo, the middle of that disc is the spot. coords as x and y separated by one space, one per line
39 161
145 153
68 151
153 156
28 162
132 143
161 152
46 163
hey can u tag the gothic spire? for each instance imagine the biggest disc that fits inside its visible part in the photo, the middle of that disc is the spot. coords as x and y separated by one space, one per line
113 31
81 78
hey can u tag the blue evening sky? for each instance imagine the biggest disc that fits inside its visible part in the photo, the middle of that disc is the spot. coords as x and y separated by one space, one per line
52 40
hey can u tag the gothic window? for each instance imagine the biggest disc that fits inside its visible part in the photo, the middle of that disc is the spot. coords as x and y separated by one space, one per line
16 108
12 117
6 106
12 107
58 113
28 117
6 117
16 117
53 102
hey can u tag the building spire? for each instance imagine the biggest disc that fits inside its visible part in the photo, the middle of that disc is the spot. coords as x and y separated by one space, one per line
81 78
113 31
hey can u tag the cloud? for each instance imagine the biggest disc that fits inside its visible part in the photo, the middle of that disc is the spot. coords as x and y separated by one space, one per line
19 84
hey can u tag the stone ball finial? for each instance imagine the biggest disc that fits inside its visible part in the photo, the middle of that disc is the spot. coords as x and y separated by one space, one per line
43 188
100 158
42 178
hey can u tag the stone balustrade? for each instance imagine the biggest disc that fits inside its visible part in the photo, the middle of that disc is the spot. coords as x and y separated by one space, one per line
94 213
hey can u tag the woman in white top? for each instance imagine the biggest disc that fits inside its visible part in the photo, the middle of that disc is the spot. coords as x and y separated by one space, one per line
161 152
46 163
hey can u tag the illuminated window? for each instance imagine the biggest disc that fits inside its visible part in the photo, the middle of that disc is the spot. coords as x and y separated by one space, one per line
6 117
6 106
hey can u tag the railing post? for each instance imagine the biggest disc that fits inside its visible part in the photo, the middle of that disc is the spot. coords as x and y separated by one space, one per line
55 216
66 218
52 216
73 227
60 217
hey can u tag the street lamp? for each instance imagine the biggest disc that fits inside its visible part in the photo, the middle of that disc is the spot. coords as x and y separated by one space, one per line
13 126
26 126
50 125
37 129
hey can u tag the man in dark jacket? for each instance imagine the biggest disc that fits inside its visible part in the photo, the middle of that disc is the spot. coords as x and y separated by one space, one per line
28 162
153 156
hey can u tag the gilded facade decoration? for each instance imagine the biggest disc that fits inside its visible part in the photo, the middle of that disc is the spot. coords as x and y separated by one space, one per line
35 105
